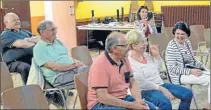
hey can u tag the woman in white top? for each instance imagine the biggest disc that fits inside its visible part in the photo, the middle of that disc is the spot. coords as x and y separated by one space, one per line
146 69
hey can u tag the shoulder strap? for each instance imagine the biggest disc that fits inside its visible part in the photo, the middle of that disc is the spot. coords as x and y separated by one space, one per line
180 53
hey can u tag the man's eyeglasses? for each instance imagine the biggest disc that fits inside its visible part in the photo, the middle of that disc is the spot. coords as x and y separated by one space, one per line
52 29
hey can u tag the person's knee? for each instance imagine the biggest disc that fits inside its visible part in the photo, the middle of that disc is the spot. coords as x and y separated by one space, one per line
86 68
187 95
23 67
165 105
83 69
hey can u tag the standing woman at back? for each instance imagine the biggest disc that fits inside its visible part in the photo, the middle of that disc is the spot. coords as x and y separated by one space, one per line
145 23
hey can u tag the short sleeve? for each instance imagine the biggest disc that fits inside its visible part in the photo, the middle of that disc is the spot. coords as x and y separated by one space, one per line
29 33
7 40
40 56
99 77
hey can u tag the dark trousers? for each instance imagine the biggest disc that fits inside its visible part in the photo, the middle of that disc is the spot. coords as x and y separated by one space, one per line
20 67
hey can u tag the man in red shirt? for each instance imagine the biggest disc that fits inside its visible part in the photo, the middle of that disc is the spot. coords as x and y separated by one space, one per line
110 77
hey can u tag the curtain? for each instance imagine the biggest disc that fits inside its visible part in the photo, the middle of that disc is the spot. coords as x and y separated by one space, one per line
192 15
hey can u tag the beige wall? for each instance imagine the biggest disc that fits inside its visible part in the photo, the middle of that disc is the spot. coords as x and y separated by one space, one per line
65 22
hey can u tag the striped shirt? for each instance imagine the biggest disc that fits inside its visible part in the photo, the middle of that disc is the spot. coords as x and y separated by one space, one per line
177 56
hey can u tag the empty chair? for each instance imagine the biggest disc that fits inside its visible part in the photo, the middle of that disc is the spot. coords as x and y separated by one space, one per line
24 97
6 79
133 10
160 39
168 33
82 54
207 37
81 83
194 41
198 30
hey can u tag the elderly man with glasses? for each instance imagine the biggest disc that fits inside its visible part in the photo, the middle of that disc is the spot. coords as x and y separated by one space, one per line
52 57
110 77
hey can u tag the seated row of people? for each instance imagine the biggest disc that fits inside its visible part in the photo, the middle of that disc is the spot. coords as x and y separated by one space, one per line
124 65
18 44
125 61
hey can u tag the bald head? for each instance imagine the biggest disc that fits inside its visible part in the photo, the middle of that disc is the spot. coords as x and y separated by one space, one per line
12 21
113 39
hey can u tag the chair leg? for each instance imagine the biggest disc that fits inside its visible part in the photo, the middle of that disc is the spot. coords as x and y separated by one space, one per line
194 99
206 60
75 101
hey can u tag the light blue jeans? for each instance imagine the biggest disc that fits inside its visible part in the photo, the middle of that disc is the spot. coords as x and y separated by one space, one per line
163 103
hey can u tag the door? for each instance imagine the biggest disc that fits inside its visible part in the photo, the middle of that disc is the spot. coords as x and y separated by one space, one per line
22 9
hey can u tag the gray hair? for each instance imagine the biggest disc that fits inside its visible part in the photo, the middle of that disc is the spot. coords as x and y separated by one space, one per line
43 25
112 40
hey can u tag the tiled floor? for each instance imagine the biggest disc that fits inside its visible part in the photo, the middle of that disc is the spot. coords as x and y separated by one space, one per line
199 92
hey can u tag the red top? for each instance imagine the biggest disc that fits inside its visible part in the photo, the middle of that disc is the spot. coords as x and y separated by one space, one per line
147 32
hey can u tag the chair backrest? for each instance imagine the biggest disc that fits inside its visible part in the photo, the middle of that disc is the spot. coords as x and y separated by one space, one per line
194 40
6 78
199 31
24 97
81 83
1 57
207 37
160 39
134 6
82 54
164 59
168 32
35 75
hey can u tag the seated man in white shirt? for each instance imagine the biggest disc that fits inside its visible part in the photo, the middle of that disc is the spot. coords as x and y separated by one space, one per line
146 71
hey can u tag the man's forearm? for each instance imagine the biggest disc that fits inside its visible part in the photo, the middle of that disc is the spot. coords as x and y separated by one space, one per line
59 67
113 101
22 44
33 39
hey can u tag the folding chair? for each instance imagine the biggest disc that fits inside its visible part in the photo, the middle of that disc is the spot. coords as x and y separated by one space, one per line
168 33
6 78
82 54
162 41
169 78
196 46
198 30
50 89
1 57
207 37
24 97
133 10
207 40
81 83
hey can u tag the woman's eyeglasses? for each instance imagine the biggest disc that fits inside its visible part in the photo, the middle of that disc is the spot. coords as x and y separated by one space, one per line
121 45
